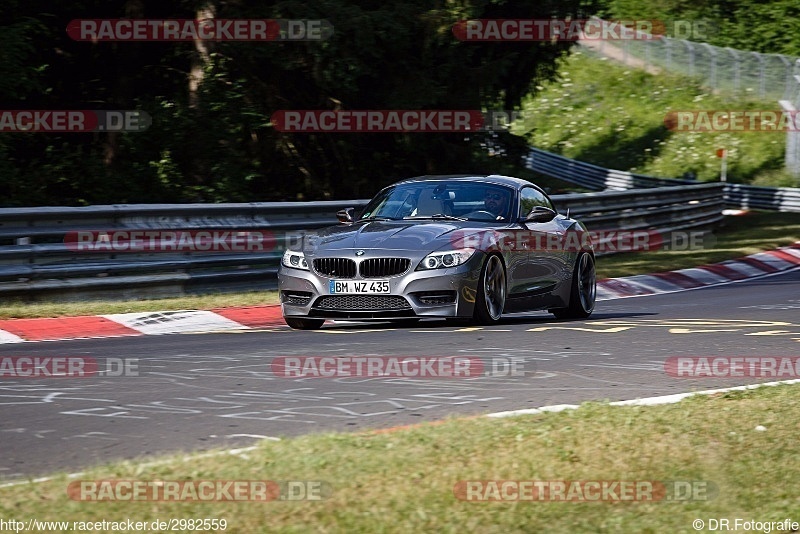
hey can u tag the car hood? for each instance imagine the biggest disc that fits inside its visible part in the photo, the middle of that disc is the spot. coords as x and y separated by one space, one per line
392 235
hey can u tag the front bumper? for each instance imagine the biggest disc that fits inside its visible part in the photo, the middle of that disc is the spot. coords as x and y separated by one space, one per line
448 292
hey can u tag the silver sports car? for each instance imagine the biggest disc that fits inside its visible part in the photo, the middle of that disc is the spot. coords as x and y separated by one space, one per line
459 247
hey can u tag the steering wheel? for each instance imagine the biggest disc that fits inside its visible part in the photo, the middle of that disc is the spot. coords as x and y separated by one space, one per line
478 213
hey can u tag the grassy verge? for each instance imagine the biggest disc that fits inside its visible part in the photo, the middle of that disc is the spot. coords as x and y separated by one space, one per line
740 236
403 481
611 115
18 310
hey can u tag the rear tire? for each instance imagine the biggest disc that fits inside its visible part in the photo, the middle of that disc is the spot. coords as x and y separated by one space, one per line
304 324
491 297
583 291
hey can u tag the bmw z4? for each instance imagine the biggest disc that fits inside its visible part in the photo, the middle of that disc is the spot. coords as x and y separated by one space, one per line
451 247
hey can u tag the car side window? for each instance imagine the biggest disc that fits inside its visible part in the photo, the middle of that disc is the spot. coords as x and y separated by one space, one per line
530 198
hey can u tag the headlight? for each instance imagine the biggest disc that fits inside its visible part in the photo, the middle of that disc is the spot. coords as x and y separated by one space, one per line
295 260
447 258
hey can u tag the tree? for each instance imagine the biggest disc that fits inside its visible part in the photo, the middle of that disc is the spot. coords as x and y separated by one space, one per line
211 139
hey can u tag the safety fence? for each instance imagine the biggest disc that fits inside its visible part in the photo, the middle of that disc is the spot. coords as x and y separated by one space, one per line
597 178
43 253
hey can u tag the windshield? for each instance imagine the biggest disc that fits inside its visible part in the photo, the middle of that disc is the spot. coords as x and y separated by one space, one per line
473 201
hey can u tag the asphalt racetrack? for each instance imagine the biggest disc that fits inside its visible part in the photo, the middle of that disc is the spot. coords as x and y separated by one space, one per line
202 391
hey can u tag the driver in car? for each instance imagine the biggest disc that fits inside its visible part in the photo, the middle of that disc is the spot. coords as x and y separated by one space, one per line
496 202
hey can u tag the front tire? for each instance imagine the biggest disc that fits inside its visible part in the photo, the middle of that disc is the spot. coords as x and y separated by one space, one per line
304 324
583 292
491 297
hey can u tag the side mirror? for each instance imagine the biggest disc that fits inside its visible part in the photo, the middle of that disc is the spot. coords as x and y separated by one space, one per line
345 216
540 214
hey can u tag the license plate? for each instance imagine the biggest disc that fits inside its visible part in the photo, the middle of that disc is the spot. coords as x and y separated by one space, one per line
373 287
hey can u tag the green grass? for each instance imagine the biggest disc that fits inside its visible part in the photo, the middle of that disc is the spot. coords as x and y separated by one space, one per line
611 115
23 310
403 481
740 236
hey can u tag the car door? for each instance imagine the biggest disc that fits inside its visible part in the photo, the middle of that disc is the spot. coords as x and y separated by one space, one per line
546 258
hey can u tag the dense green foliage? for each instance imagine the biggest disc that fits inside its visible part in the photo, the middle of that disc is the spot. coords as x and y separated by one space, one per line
770 27
611 115
217 144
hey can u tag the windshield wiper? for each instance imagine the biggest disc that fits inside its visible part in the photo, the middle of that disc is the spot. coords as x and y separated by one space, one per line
438 216
377 218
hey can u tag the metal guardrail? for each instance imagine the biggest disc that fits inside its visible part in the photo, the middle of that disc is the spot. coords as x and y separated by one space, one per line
36 262
590 176
598 178
665 209
766 198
